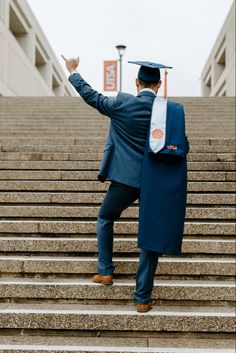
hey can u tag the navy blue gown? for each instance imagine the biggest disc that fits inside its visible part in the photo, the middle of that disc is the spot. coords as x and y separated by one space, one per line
163 195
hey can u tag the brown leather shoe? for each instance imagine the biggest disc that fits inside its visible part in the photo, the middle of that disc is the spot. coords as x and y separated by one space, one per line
143 308
107 280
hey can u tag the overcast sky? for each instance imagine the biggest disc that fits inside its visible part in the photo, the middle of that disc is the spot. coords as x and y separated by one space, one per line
179 33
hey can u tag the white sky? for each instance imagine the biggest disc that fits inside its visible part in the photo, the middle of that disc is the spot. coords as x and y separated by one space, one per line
179 33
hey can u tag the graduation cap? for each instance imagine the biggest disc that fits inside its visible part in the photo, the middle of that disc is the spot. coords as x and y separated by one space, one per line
149 72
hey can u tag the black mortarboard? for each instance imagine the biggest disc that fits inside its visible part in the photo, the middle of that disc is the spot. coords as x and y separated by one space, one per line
149 72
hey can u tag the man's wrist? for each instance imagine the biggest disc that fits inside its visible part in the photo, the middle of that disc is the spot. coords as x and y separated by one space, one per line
73 72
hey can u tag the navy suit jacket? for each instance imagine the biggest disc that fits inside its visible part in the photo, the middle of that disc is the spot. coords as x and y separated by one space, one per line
130 119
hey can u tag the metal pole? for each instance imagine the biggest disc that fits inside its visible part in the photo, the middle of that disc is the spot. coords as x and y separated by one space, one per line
120 73
121 49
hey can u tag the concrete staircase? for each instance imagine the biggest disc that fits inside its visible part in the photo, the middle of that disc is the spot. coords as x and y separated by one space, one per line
50 152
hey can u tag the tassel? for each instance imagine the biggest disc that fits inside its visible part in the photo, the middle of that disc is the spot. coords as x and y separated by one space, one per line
165 84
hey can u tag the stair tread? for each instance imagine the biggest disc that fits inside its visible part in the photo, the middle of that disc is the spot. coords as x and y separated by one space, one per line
117 282
61 238
161 342
96 198
94 222
205 259
94 349
199 310
116 344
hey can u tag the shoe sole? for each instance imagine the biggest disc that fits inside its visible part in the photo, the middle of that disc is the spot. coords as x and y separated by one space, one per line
144 311
105 284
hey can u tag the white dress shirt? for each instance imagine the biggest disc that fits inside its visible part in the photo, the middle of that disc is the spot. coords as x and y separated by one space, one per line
148 90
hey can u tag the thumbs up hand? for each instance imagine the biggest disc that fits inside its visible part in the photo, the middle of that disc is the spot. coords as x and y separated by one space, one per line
71 64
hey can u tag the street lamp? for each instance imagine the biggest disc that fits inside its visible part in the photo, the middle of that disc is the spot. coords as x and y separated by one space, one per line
121 50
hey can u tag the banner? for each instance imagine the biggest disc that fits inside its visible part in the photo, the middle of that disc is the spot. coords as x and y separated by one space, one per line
110 76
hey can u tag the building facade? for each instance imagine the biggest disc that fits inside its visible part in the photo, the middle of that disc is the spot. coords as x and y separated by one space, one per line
218 75
28 65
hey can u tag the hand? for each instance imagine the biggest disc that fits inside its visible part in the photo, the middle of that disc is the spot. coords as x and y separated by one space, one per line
71 64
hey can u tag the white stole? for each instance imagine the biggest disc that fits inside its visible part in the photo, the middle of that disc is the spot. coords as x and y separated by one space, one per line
158 124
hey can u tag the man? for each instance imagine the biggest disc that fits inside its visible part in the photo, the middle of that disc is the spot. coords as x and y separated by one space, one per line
122 165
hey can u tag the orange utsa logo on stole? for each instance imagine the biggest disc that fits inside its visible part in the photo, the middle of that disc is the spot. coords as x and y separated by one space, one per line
171 147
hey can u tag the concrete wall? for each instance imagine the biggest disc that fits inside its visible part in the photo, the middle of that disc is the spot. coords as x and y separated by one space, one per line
218 75
28 65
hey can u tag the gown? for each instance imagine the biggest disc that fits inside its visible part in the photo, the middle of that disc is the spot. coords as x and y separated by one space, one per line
163 192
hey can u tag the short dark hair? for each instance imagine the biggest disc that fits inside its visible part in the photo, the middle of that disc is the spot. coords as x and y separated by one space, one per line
148 84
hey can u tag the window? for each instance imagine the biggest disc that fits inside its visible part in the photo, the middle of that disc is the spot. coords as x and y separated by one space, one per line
222 90
18 27
56 87
208 87
220 60
56 83
207 84
41 62
67 93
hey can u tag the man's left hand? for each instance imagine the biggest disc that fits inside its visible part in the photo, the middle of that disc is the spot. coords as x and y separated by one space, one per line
71 64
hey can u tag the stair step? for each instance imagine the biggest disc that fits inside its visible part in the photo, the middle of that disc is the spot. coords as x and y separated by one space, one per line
92 175
72 124
14 156
41 119
196 245
96 198
117 317
92 211
95 149
222 266
193 130
74 112
104 349
215 141
62 185
100 141
121 289
95 165
89 131
84 227
200 134
80 344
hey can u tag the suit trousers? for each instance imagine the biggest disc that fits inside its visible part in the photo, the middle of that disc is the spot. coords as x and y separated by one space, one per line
119 197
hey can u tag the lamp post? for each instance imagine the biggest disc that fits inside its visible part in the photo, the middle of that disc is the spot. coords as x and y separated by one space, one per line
121 50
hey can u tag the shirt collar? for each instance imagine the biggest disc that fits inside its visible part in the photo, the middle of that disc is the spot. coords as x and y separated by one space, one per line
147 90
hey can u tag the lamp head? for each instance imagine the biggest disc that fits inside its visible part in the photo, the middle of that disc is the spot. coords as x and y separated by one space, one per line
121 49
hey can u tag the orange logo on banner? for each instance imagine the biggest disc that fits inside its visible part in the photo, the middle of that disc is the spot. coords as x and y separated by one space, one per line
110 76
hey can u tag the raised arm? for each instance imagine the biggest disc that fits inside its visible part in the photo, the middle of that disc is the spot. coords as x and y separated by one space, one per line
103 104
